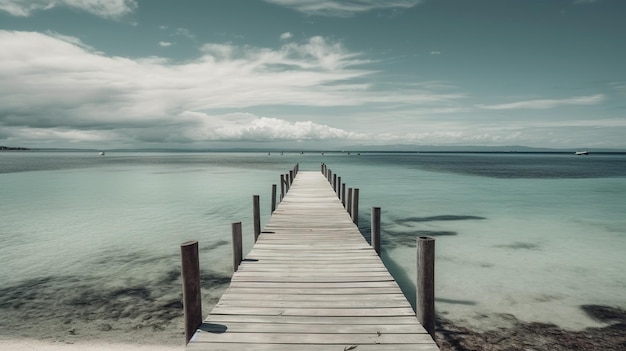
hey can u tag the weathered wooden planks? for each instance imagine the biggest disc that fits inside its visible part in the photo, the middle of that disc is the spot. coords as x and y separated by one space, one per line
311 282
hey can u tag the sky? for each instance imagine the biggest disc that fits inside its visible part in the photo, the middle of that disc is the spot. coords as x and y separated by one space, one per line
295 74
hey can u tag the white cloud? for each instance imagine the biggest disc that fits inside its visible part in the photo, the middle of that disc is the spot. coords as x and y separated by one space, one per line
248 127
342 8
286 35
102 8
587 123
71 40
221 51
564 134
619 87
192 128
327 55
24 8
165 43
546 103
62 134
185 33
77 93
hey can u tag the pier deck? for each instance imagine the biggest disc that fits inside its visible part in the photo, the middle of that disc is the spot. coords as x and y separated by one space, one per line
312 282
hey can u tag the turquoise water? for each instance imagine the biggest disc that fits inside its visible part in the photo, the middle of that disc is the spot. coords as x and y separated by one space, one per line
90 244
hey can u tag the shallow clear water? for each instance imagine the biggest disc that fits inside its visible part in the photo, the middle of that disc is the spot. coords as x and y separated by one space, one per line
535 236
90 242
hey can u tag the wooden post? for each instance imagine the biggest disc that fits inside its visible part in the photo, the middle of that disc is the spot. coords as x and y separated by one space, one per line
237 245
287 183
335 183
343 194
282 186
256 211
290 178
376 229
425 304
273 198
338 187
355 206
349 202
192 299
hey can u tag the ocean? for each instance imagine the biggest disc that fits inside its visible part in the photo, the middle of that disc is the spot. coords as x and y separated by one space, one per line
91 244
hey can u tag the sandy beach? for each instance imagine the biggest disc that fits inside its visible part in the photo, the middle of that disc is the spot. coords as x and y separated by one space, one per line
512 334
38 345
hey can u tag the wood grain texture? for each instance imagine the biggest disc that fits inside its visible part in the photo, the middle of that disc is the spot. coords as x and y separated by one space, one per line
312 282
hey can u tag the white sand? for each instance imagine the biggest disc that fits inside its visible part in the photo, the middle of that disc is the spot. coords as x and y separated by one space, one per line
37 345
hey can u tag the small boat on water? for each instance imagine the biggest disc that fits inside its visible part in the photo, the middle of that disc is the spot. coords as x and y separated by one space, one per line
101 153
581 153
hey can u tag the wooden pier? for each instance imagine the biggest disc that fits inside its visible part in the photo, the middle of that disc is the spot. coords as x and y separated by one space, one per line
311 282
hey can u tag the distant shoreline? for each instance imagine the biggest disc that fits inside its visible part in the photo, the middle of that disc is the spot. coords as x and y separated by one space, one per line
355 152
11 148
351 149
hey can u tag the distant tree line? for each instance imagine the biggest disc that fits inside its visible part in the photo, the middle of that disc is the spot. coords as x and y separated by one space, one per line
10 148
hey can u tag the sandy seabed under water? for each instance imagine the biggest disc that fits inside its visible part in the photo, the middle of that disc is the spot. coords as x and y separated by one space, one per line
513 334
120 299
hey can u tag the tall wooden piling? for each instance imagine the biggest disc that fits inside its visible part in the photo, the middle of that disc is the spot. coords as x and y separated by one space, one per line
375 237
338 188
282 187
355 206
256 212
349 202
273 198
237 245
343 194
192 299
425 304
